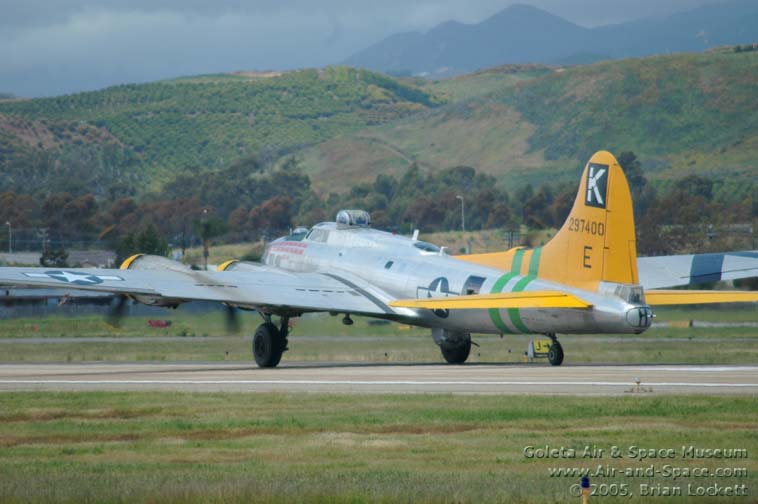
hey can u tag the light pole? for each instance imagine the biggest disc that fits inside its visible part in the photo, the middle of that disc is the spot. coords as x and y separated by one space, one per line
463 213
204 233
10 237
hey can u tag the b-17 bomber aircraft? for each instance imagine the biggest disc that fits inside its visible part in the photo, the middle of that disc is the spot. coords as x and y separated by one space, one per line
586 279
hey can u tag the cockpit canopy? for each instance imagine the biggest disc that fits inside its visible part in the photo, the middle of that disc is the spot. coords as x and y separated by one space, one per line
297 235
426 247
353 218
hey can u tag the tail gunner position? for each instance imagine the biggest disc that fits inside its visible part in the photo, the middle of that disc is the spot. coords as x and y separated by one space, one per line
586 279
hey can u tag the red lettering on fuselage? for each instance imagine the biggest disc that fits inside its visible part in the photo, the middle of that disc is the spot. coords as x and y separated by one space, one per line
295 248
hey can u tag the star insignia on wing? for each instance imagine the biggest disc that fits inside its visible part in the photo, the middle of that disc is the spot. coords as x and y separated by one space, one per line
75 277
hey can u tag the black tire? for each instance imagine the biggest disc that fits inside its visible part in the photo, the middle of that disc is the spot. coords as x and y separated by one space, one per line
456 354
555 354
268 345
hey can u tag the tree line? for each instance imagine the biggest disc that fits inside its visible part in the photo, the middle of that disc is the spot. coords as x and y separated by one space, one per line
250 200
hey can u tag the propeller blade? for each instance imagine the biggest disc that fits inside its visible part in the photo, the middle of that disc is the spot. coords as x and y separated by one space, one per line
232 320
116 314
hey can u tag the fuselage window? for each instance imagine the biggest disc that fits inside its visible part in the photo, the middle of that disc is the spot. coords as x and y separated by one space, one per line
388 265
636 296
472 285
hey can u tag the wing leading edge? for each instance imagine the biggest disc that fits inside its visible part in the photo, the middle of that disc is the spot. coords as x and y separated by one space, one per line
531 299
272 290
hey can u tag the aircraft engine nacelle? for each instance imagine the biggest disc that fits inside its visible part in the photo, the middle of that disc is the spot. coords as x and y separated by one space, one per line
152 263
235 265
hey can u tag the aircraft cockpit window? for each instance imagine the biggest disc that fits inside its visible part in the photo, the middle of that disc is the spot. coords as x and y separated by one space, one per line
297 235
427 247
318 235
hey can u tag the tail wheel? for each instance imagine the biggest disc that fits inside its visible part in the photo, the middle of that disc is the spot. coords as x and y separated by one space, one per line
268 345
555 354
456 354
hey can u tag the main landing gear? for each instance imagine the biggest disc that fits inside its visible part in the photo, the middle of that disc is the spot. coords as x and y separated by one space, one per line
456 354
555 354
270 342
455 346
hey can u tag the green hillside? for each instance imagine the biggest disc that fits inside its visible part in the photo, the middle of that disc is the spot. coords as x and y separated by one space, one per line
486 81
469 128
663 106
213 119
681 114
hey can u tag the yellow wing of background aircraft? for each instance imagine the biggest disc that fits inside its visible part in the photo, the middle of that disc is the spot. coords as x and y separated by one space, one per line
587 279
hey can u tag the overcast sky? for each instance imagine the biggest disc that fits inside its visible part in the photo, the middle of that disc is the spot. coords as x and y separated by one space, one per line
50 47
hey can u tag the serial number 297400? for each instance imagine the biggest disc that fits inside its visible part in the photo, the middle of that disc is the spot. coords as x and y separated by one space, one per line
586 226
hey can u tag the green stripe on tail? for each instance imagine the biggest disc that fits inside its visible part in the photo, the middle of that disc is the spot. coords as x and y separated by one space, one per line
494 312
517 259
534 266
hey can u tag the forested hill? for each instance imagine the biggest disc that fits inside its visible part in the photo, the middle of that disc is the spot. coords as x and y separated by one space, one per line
142 133
681 114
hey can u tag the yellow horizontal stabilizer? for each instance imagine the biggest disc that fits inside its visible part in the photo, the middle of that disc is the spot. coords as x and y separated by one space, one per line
497 260
683 297
535 299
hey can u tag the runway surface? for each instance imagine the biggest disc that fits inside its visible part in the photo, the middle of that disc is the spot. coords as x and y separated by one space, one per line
385 378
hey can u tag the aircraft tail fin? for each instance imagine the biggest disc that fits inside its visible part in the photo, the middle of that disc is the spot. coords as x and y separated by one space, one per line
597 241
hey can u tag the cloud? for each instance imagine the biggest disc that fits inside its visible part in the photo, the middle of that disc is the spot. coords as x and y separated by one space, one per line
59 46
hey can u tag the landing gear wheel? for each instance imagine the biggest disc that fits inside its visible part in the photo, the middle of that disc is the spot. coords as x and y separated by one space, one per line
555 354
268 345
456 354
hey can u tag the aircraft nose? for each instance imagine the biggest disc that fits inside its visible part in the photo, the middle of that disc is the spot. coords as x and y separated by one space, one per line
640 316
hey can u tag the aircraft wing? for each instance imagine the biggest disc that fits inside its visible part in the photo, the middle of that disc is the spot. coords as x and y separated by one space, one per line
684 297
264 288
530 299
672 271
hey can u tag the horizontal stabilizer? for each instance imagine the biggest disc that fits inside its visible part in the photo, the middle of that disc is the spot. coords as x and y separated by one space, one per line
671 271
684 297
534 299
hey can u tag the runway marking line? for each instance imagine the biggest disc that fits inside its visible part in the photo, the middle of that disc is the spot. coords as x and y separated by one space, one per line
368 383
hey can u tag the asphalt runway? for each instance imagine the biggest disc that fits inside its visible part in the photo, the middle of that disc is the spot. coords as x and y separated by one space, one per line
385 378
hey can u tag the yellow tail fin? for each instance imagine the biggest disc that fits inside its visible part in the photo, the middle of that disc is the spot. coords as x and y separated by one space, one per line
596 243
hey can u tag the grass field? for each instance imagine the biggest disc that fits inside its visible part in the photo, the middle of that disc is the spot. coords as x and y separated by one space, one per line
169 447
308 447
202 337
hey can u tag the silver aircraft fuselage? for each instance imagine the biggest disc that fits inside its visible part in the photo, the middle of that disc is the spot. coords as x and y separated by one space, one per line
386 266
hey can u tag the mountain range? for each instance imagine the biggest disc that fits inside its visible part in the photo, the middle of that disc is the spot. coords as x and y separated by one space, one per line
526 34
